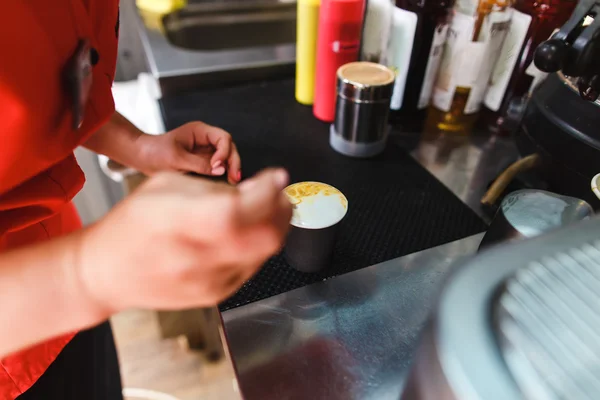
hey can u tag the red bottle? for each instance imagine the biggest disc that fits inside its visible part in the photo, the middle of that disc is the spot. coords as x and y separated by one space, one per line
340 26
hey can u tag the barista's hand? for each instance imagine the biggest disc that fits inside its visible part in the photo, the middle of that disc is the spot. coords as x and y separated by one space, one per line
181 242
193 147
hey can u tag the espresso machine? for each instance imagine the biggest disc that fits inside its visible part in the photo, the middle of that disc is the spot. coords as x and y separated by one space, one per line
561 123
522 320
518 321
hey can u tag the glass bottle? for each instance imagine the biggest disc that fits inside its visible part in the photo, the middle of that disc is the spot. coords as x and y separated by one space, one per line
514 76
338 42
376 30
306 49
416 76
474 41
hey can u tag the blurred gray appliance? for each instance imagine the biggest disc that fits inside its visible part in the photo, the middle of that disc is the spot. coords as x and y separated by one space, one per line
529 212
518 321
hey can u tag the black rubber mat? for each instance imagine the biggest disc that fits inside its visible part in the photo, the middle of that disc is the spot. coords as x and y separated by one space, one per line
395 206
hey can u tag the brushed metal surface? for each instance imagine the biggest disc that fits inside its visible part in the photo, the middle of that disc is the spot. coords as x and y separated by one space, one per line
350 337
465 165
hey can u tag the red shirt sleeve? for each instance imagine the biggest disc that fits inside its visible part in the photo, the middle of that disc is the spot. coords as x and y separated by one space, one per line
38 172
33 105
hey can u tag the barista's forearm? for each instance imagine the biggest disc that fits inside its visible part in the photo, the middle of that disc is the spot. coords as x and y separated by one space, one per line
41 296
117 139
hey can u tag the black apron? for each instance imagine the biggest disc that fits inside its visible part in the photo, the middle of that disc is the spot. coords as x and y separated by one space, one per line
86 369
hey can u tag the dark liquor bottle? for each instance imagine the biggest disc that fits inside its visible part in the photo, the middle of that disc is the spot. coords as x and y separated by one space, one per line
515 75
416 62
475 39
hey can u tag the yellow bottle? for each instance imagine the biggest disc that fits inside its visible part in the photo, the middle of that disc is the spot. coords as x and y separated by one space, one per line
153 11
160 6
306 49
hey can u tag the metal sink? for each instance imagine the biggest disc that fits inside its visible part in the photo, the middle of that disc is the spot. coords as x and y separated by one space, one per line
211 43
221 25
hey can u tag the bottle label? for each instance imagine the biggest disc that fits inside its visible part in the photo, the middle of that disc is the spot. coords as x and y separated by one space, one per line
513 43
459 36
433 64
404 24
537 75
493 33
468 64
376 31
467 73
466 7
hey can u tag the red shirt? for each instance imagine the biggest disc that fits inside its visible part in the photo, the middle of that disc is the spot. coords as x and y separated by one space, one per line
39 175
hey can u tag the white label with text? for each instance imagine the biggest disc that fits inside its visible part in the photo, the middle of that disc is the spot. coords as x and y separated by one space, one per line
401 43
433 64
509 54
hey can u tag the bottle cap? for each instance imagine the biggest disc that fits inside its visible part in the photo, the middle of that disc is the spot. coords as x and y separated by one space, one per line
365 81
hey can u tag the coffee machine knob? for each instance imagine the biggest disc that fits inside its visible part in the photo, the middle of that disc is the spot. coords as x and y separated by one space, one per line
550 55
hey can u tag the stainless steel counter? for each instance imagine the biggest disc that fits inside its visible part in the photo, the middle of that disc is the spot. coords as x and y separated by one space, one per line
353 336
466 165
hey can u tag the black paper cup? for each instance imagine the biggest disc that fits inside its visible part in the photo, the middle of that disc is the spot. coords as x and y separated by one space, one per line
318 210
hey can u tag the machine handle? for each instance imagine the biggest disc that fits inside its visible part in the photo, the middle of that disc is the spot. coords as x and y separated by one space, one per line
575 49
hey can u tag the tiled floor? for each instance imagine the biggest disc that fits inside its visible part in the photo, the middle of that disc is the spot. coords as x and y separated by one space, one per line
166 365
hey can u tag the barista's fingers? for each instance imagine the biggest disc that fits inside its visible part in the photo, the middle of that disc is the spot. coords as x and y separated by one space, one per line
234 171
281 220
260 196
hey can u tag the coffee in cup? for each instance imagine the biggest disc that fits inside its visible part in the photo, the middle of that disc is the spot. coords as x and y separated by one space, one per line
318 209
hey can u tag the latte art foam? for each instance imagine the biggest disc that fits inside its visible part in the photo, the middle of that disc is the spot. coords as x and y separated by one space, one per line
316 205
